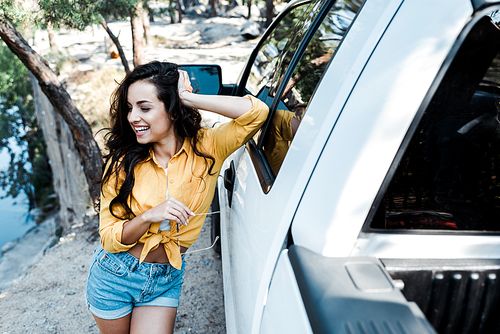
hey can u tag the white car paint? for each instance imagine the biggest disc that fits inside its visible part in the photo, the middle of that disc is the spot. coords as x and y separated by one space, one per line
379 121
346 104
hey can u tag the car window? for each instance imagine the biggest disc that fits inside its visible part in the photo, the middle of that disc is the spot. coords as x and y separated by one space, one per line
449 176
266 60
296 90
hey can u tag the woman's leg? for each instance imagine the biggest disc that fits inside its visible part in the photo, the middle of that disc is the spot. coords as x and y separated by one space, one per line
153 320
115 326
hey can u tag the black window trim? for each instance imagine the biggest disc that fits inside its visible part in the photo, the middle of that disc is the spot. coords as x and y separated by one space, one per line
264 172
411 131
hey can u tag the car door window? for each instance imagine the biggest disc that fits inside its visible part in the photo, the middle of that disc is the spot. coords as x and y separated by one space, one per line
296 90
267 58
449 176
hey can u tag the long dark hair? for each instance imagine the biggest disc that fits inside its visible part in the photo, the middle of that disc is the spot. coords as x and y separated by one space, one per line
121 141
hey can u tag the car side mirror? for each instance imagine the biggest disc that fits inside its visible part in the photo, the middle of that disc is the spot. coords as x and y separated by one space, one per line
205 79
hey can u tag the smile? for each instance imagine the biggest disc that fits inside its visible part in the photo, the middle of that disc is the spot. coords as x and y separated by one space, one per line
141 129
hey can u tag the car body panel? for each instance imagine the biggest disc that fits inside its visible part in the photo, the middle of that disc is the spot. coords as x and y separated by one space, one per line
325 188
375 125
284 298
262 221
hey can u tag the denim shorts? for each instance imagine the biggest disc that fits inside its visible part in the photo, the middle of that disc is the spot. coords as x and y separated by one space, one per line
117 283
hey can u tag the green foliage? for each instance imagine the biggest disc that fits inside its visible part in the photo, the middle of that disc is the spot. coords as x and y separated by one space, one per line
79 14
18 122
13 12
16 108
72 14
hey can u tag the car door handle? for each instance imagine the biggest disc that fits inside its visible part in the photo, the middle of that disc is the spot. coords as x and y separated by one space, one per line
229 174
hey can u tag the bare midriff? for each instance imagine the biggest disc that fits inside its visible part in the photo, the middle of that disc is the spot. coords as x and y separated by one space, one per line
155 256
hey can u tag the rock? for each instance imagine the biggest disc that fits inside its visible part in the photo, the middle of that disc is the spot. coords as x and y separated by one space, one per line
198 10
8 246
250 30
214 33
242 11
187 40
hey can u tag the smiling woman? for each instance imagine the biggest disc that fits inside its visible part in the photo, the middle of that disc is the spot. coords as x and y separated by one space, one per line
158 184
147 115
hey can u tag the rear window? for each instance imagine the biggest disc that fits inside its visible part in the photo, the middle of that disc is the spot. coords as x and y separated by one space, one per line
448 177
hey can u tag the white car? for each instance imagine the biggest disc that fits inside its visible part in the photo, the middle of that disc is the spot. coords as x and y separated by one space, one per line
370 200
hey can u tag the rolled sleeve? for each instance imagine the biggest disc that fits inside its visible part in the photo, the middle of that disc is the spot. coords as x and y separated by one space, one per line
256 115
231 135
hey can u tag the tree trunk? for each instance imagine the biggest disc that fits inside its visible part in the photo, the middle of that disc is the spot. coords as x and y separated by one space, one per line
137 35
68 178
269 12
213 8
146 27
80 129
52 37
179 9
249 4
118 46
171 11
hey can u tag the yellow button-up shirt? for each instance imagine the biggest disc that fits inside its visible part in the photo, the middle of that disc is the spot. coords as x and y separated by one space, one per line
188 181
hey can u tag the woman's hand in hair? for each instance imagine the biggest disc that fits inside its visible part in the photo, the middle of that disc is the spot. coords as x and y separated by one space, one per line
228 106
184 87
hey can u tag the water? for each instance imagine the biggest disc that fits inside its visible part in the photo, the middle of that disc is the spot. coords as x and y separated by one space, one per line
13 222
13 212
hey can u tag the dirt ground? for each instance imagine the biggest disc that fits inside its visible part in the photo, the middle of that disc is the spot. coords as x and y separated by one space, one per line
50 298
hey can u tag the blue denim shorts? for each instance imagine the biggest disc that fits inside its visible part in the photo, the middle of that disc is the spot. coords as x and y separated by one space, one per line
117 283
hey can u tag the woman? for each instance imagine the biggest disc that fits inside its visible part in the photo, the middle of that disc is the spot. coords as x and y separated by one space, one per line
158 182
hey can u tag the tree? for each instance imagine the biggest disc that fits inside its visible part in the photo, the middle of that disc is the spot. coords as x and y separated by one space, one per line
115 41
137 33
213 8
171 10
269 12
82 134
83 13
146 14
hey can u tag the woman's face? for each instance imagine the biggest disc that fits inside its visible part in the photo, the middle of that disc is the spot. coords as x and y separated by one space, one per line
147 114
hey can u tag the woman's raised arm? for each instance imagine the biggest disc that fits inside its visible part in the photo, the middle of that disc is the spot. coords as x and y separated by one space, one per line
228 106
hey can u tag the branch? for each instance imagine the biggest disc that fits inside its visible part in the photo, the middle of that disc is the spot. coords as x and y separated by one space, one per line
117 44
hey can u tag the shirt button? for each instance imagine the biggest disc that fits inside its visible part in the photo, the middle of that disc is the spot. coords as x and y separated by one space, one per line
171 181
172 162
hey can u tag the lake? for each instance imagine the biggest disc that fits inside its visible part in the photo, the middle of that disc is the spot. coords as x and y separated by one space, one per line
13 212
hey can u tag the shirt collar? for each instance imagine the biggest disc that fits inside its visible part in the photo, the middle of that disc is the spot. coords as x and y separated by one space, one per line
185 148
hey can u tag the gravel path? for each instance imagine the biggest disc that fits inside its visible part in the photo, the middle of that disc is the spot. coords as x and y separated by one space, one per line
50 298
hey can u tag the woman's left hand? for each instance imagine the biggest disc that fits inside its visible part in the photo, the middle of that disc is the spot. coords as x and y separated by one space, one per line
184 85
